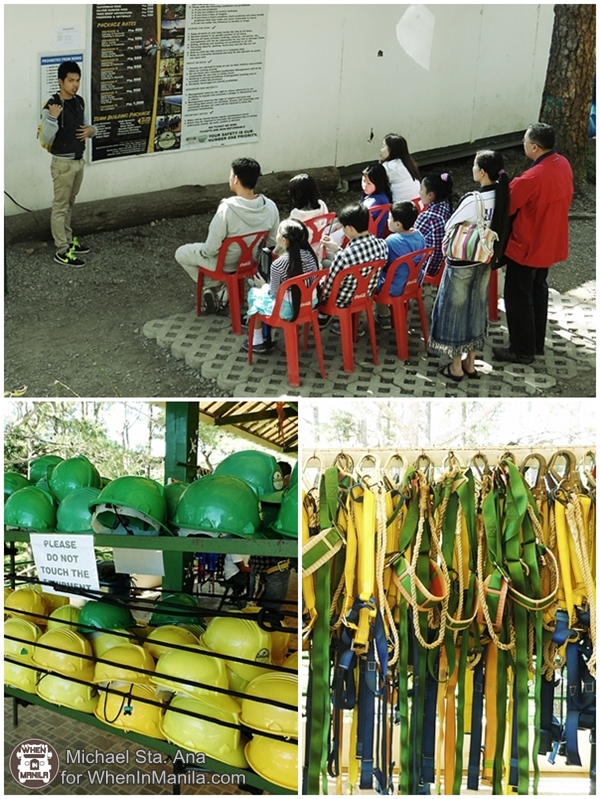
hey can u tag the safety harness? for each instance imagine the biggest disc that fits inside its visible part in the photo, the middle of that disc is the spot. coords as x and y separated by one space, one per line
430 605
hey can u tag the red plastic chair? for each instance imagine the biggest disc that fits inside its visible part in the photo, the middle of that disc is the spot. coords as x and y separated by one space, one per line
376 213
361 301
306 315
435 280
317 227
247 266
412 291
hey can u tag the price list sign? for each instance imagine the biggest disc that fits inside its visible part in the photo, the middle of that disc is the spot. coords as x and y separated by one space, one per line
125 52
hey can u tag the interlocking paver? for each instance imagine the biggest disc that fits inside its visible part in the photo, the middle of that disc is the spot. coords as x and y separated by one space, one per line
207 345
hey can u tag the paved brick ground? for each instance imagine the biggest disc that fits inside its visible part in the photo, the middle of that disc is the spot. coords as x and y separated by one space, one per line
208 346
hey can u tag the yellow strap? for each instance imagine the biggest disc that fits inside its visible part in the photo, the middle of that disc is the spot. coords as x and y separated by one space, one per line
366 548
450 743
351 553
509 728
469 675
308 585
365 521
564 559
491 717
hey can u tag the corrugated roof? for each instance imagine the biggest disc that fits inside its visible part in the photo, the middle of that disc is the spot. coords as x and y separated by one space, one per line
271 424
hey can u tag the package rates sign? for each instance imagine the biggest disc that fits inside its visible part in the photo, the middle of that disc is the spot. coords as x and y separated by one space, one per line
169 78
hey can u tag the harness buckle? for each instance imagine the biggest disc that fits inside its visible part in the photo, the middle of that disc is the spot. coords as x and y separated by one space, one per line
502 571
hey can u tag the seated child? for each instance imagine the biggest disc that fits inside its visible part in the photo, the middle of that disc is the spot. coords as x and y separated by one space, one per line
297 258
362 248
436 196
402 171
304 198
376 191
404 239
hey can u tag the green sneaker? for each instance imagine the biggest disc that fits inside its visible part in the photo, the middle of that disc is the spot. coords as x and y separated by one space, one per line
68 258
78 247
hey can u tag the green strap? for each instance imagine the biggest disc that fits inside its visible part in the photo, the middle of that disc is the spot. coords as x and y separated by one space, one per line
403 696
515 510
320 663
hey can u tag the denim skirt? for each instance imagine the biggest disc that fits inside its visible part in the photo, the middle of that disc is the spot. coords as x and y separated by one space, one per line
459 316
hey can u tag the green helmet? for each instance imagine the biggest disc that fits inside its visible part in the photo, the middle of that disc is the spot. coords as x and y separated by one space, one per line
104 615
179 609
70 474
73 514
294 476
130 505
40 468
173 492
287 521
218 505
259 470
30 508
13 481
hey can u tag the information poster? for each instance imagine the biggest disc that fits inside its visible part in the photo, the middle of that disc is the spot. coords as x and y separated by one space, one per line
124 64
172 77
49 65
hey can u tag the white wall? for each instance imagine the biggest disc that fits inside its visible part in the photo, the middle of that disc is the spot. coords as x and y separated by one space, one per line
325 89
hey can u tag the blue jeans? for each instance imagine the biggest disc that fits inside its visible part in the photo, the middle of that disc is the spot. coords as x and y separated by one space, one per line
459 316
276 587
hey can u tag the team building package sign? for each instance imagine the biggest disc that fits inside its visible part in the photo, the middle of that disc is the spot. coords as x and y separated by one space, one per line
172 77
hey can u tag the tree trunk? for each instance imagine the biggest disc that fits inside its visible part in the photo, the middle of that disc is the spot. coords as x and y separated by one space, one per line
139 209
567 95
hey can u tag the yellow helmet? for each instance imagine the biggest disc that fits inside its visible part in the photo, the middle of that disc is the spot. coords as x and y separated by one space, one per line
259 714
66 656
125 710
54 601
200 735
27 632
280 643
280 640
240 638
20 675
102 642
126 662
26 603
291 661
64 692
177 666
64 617
276 761
158 641
235 681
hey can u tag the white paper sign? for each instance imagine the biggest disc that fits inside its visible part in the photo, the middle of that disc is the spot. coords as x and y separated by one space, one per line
139 561
68 36
69 560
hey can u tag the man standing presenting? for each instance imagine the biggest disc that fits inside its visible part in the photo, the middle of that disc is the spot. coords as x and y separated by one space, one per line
64 131
539 208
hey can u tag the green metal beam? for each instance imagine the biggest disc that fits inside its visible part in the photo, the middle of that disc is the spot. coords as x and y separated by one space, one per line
181 441
286 548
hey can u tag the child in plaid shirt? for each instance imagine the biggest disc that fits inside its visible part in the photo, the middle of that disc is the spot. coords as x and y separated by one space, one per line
362 248
436 196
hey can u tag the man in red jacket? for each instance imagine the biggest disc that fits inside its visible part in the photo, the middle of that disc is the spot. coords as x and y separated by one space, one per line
539 208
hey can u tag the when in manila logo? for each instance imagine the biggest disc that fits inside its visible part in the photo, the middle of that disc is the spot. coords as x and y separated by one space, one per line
34 763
